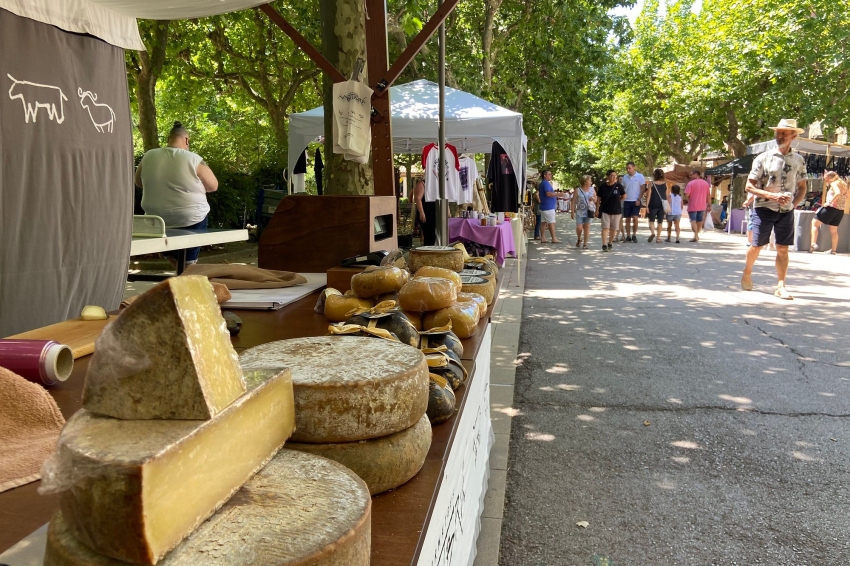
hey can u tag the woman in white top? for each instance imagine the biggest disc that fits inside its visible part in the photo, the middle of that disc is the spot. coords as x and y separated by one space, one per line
583 209
675 211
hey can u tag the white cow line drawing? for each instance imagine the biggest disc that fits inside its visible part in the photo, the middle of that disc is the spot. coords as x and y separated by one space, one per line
31 106
103 112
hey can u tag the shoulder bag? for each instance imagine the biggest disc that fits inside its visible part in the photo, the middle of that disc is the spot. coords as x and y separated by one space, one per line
665 204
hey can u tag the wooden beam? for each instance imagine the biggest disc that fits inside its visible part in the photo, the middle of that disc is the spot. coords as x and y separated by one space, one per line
302 42
377 59
415 46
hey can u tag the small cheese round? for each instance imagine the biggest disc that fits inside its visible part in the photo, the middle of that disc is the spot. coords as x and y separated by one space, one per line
383 463
300 509
378 281
415 318
430 271
337 307
423 294
436 256
348 388
395 258
394 322
463 316
481 286
441 403
474 298
448 339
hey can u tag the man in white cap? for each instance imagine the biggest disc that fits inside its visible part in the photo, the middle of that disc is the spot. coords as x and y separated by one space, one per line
778 183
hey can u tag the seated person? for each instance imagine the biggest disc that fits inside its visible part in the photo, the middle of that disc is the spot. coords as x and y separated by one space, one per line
175 183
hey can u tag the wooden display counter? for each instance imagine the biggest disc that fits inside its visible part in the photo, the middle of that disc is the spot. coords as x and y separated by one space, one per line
431 520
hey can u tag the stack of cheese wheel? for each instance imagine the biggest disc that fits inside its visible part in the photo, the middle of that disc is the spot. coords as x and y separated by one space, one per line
435 256
358 401
171 428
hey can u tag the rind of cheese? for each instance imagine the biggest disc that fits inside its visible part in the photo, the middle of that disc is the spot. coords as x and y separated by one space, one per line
300 510
383 463
378 281
395 258
137 488
167 356
463 316
348 388
441 402
486 289
436 256
221 292
430 271
394 322
415 318
474 298
423 294
483 263
338 306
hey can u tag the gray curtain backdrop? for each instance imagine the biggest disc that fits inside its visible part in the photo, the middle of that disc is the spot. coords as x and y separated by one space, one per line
66 164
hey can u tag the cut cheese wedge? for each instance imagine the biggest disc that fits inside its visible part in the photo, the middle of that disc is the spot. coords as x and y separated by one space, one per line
348 388
383 463
300 510
135 489
167 356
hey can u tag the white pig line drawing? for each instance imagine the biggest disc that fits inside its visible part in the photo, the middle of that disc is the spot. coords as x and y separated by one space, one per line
34 96
101 115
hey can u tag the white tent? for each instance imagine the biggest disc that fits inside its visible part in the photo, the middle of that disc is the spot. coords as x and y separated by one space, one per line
472 123
805 145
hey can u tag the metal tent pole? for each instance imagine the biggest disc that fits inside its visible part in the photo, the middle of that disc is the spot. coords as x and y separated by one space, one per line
443 213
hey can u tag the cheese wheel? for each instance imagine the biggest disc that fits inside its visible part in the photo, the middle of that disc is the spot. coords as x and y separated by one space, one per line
423 294
388 297
474 298
337 307
430 271
383 463
448 339
451 368
300 510
348 388
320 303
481 286
395 258
394 322
376 281
441 402
463 316
436 256
415 318
482 263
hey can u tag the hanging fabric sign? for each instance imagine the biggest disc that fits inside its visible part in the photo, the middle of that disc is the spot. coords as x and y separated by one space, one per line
352 130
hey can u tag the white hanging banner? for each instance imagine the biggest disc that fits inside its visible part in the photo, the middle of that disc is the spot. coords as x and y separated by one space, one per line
352 128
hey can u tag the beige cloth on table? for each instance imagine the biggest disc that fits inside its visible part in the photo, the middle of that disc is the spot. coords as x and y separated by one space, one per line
239 276
30 422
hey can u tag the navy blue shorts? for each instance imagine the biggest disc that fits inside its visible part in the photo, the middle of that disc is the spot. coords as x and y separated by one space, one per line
631 208
781 223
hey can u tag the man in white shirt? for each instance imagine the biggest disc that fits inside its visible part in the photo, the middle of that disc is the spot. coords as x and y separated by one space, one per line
175 183
633 183
778 183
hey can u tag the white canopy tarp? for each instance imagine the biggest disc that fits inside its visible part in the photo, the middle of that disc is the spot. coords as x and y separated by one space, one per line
804 145
114 21
472 123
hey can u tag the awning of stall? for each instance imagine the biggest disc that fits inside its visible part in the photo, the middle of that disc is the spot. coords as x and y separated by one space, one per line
803 145
677 174
472 123
737 166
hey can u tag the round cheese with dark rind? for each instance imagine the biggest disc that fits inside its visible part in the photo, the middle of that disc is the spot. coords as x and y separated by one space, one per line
395 322
383 463
375 281
441 403
436 339
299 510
348 388
424 294
436 256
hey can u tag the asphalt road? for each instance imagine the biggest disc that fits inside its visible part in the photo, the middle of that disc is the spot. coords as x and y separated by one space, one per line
686 421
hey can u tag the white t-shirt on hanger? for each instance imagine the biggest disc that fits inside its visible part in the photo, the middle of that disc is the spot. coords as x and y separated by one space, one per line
431 166
468 173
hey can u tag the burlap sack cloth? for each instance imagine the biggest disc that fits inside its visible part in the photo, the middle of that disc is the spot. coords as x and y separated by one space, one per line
30 423
239 276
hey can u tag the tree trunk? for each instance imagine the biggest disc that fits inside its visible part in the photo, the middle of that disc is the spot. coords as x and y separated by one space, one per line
343 42
733 143
490 9
146 71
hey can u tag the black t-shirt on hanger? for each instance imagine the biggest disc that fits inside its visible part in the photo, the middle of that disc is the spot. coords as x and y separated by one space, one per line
501 174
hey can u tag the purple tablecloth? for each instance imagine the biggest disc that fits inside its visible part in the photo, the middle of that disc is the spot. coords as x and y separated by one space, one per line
501 237
736 216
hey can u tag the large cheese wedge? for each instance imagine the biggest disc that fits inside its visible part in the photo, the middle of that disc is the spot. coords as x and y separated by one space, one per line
423 294
463 316
135 489
167 356
299 510
430 271
479 285
337 307
375 281
383 463
348 388
436 256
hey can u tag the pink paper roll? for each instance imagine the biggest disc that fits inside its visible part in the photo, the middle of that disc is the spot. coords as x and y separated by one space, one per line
41 361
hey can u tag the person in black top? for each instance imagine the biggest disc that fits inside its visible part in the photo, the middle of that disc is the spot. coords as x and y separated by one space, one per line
611 195
656 192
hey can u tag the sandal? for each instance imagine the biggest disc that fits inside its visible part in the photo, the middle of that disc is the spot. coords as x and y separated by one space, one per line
668 239
746 284
814 248
832 252
677 241
578 243
584 247
782 293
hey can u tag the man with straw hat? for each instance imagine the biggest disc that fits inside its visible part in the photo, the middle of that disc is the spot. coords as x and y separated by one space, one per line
778 183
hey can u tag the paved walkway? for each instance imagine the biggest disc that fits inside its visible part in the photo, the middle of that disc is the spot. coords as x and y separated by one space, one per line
687 422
